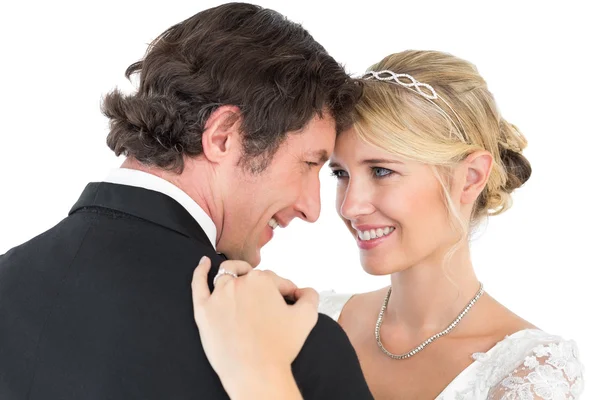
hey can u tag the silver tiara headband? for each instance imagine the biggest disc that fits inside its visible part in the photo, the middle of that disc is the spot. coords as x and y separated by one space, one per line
414 85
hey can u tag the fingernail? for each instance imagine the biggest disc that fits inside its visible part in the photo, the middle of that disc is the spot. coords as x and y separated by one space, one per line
203 260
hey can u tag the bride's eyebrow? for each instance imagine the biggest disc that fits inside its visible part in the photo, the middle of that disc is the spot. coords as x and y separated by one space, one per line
333 164
380 161
369 161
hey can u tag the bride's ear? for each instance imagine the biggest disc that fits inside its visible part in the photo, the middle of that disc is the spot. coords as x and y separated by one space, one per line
478 166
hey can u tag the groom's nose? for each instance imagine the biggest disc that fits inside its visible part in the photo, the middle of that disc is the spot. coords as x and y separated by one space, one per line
308 203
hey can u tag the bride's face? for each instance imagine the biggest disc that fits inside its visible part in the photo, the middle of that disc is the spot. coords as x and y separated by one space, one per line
393 207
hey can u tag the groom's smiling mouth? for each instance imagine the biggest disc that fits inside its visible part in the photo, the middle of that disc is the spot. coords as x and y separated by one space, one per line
273 223
270 231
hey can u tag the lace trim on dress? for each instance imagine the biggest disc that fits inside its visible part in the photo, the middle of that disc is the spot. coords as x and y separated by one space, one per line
527 365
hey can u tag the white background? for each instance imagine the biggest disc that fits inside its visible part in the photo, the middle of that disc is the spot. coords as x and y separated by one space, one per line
540 60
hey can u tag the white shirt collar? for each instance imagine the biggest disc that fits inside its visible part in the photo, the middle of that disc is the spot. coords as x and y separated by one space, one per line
132 177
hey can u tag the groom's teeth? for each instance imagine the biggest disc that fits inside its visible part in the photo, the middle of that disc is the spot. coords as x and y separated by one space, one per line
375 233
273 223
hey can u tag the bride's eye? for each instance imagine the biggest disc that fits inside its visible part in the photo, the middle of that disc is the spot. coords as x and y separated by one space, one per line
379 172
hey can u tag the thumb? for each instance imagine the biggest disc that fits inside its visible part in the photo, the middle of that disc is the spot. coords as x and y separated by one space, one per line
200 291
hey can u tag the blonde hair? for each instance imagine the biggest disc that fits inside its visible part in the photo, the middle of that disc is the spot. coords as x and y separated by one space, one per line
442 132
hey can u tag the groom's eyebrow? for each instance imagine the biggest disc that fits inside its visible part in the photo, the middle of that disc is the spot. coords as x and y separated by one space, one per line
320 155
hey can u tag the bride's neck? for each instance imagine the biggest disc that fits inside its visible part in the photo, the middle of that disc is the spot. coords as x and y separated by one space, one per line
430 295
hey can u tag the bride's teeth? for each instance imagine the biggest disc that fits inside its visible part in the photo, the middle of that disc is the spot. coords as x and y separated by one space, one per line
375 233
273 223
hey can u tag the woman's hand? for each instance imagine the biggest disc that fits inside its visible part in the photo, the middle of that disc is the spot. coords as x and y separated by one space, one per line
249 333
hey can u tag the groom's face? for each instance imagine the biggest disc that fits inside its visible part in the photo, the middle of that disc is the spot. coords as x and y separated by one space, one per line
259 204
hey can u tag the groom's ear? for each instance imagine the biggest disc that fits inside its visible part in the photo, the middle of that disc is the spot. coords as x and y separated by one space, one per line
221 136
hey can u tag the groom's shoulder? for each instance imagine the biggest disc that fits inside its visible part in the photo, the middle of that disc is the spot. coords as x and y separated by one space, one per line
328 336
328 342
327 366
327 325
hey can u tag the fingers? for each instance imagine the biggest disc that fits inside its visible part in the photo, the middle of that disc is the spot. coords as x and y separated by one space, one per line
286 287
222 280
237 267
307 298
241 268
306 310
200 290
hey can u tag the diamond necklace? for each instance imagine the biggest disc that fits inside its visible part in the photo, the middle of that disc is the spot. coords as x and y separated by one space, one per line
426 342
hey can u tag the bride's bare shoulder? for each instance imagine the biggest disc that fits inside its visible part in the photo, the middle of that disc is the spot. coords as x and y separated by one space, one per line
493 320
362 307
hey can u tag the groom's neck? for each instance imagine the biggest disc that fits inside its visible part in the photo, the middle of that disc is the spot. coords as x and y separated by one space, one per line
195 180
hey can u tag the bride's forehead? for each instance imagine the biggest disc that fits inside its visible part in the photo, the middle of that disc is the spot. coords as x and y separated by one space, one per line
349 146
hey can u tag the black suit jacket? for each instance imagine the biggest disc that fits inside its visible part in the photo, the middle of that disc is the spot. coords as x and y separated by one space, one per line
99 307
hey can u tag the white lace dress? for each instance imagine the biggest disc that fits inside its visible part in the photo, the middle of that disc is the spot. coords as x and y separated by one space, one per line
529 364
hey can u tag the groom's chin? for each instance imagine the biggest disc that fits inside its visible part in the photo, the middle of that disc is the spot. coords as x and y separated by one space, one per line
251 256
254 259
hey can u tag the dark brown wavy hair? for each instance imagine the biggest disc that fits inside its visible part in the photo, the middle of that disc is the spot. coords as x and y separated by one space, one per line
234 54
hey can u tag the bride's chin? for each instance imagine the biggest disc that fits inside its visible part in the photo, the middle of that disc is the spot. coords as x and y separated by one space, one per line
374 268
374 272
378 266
